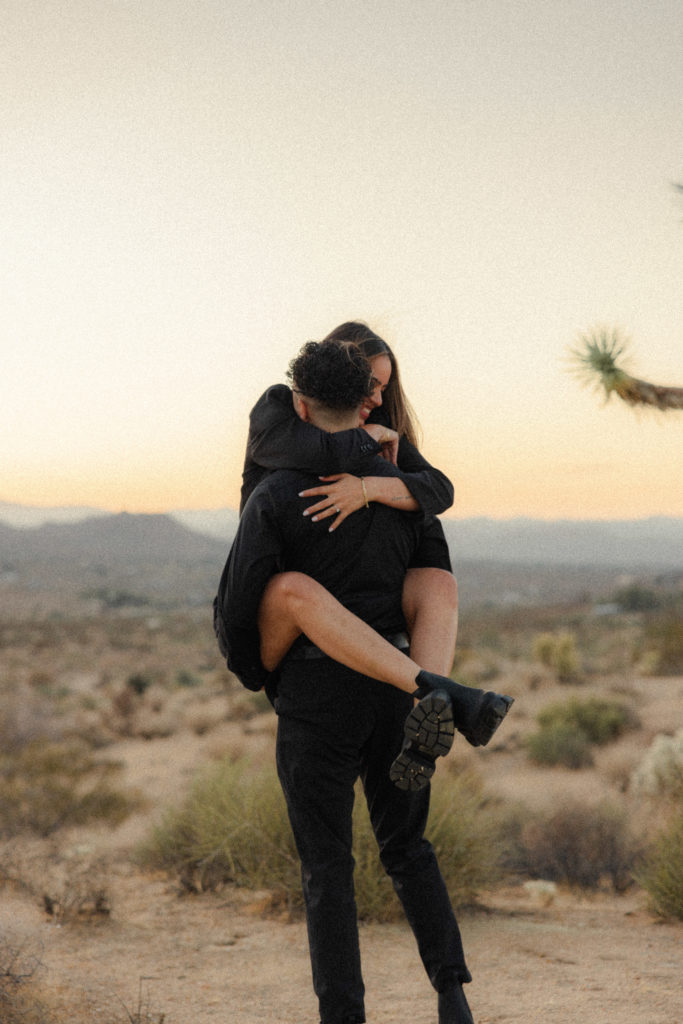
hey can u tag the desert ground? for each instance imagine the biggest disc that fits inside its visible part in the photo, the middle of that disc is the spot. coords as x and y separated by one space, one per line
159 955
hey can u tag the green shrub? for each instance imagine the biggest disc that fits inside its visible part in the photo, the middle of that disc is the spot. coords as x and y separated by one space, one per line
186 678
233 828
567 730
663 640
560 743
463 832
600 720
636 598
662 873
578 845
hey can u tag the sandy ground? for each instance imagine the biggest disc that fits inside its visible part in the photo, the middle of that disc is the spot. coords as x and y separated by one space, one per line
211 959
215 958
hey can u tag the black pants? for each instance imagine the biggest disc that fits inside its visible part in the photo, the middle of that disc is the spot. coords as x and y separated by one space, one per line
335 726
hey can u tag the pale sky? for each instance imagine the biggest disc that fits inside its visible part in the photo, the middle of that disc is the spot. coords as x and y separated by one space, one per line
191 189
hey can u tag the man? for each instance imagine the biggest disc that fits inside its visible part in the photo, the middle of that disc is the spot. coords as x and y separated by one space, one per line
334 724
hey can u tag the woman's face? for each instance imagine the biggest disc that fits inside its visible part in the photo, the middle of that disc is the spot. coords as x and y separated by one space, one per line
381 375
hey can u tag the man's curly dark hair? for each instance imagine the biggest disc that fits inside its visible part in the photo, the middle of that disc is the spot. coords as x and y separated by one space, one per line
334 373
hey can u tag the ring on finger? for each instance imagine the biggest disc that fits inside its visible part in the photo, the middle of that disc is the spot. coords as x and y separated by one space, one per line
336 508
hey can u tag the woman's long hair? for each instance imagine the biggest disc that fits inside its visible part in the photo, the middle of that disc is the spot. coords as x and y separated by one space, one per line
398 409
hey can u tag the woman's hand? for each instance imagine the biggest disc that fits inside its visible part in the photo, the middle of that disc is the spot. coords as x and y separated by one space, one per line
387 438
343 494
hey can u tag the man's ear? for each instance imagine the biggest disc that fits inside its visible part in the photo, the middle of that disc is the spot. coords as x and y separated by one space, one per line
301 407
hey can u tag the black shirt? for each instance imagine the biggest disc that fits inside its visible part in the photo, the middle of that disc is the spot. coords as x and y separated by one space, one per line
363 564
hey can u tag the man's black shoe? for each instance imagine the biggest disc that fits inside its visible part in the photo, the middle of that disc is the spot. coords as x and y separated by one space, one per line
477 713
429 732
453 1007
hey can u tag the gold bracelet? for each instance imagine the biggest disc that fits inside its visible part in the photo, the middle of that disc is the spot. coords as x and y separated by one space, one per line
365 493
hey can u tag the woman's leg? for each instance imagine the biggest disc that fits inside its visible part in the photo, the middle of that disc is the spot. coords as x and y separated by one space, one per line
294 603
430 607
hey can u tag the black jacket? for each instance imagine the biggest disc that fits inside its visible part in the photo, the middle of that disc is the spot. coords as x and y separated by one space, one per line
279 439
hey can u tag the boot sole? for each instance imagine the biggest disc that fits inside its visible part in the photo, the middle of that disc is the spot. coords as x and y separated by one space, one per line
429 732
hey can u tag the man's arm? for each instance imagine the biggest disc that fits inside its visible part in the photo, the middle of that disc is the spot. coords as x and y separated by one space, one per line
255 556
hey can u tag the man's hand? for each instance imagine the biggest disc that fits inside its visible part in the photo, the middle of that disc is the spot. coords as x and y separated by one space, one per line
388 439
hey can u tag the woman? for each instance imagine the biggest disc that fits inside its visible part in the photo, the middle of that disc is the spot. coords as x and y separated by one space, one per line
294 604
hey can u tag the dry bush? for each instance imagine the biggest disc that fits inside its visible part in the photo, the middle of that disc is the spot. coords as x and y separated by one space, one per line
26 717
46 786
75 890
142 711
21 1000
142 1012
578 845
70 887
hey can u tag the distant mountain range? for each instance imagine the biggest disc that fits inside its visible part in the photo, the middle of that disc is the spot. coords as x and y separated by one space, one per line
77 533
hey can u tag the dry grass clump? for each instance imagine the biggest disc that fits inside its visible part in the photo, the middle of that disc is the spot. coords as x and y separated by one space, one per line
46 786
233 829
662 873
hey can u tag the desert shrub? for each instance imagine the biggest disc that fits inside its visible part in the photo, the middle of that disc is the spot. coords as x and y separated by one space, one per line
557 651
663 642
233 828
74 889
662 873
567 730
561 744
462 831
139 682
463 837
660 771
600 720
45 786
636 598
575 844
186 678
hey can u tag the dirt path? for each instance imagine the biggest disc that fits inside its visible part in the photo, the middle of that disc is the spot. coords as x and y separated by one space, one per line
210 959
215 959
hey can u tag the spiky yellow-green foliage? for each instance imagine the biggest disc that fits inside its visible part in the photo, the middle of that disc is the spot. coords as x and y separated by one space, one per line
233 828
662 874
597 358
